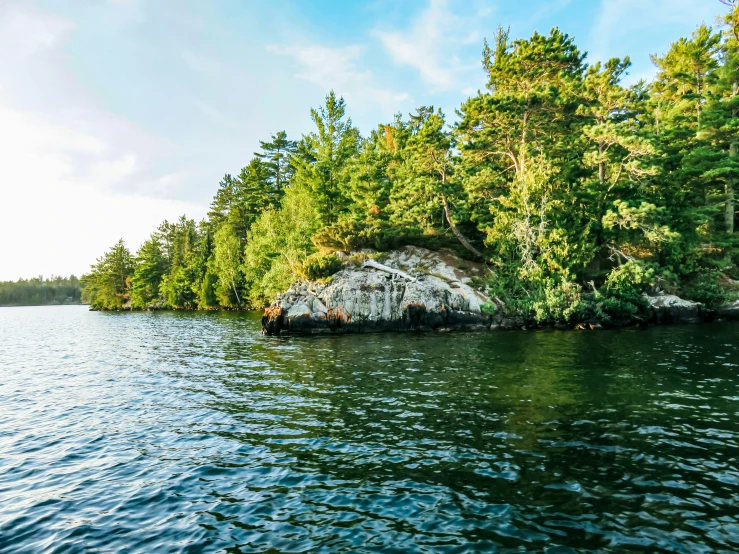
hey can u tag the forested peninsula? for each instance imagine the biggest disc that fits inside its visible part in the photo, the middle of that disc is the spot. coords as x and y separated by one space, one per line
576 193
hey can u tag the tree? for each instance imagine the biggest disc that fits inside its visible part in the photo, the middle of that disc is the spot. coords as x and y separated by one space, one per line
107 286
616 148
721 120
226 264
150 268
278 243
322 157
428 185
222 201
530 107
276 155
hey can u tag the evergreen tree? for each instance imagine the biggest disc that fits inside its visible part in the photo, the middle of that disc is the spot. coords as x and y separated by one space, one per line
148 273
429 189
222 201
107 286
530 106
322 157
276 154
616 148
253 193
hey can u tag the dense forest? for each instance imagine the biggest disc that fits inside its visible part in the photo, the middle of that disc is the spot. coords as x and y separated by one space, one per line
39 291
578 192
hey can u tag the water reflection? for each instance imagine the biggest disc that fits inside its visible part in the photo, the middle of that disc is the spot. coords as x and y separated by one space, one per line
191 432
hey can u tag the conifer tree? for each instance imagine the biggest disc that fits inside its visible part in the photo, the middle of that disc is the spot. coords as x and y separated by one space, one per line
428 189
148 273
276 154
322 157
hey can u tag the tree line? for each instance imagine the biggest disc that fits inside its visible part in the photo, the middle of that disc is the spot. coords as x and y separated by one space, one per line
39 291
578 192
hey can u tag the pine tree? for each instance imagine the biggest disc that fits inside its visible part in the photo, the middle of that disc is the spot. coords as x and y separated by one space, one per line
616 148
222 201
107 286
149 272
252 194
530 106
429 189
322 157
276 156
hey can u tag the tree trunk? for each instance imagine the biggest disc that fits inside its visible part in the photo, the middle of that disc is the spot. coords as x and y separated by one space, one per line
233 284
730 208
457 232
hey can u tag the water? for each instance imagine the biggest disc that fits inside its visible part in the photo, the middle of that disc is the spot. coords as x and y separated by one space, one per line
190 432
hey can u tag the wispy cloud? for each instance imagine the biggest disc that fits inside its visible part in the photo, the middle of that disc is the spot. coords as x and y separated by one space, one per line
621 18
433 42
336 69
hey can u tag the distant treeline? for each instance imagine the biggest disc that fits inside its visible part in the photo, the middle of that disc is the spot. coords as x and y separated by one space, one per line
38 291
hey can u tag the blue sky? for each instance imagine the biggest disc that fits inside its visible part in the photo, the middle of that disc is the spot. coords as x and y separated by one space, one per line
117 114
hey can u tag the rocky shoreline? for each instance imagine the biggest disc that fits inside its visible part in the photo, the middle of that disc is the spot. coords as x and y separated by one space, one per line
415 289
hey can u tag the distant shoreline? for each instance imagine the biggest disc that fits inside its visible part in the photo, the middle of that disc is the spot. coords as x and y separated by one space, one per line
45 304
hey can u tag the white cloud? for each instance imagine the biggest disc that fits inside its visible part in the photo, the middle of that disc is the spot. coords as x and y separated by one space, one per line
336 69
56 218
619 19
432 44
74 177
29 31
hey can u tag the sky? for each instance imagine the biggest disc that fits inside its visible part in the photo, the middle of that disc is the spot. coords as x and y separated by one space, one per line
118 114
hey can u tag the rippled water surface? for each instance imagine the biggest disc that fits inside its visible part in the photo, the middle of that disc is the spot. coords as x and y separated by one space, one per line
190 432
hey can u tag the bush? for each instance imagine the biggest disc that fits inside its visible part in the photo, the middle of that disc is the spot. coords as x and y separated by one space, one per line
488 308
623 294
349 234
706 288
320 266
560 302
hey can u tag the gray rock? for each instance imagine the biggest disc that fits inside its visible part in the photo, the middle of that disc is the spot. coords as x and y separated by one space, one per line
668 308
729 311
370 299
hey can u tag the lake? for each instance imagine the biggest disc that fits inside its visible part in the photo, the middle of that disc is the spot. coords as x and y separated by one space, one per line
191 432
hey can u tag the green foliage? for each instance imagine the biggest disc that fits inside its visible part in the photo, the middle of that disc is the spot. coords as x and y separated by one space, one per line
624 290
323 156
108 285
277 244
150 269
226 266
207 296
39 291
320 266
706 287
579 193
560 302
488 308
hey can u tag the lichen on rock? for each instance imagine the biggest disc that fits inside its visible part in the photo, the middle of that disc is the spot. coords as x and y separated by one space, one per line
366 299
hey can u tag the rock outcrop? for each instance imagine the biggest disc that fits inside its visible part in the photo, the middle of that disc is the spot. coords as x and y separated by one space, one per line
729 311
418 289
671 309
411 289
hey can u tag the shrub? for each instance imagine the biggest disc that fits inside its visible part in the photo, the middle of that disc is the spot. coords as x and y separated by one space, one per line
706 288
488 308
320 266
623 294
560 302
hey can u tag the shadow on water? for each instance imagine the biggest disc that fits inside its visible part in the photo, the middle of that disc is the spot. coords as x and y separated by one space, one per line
189 432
